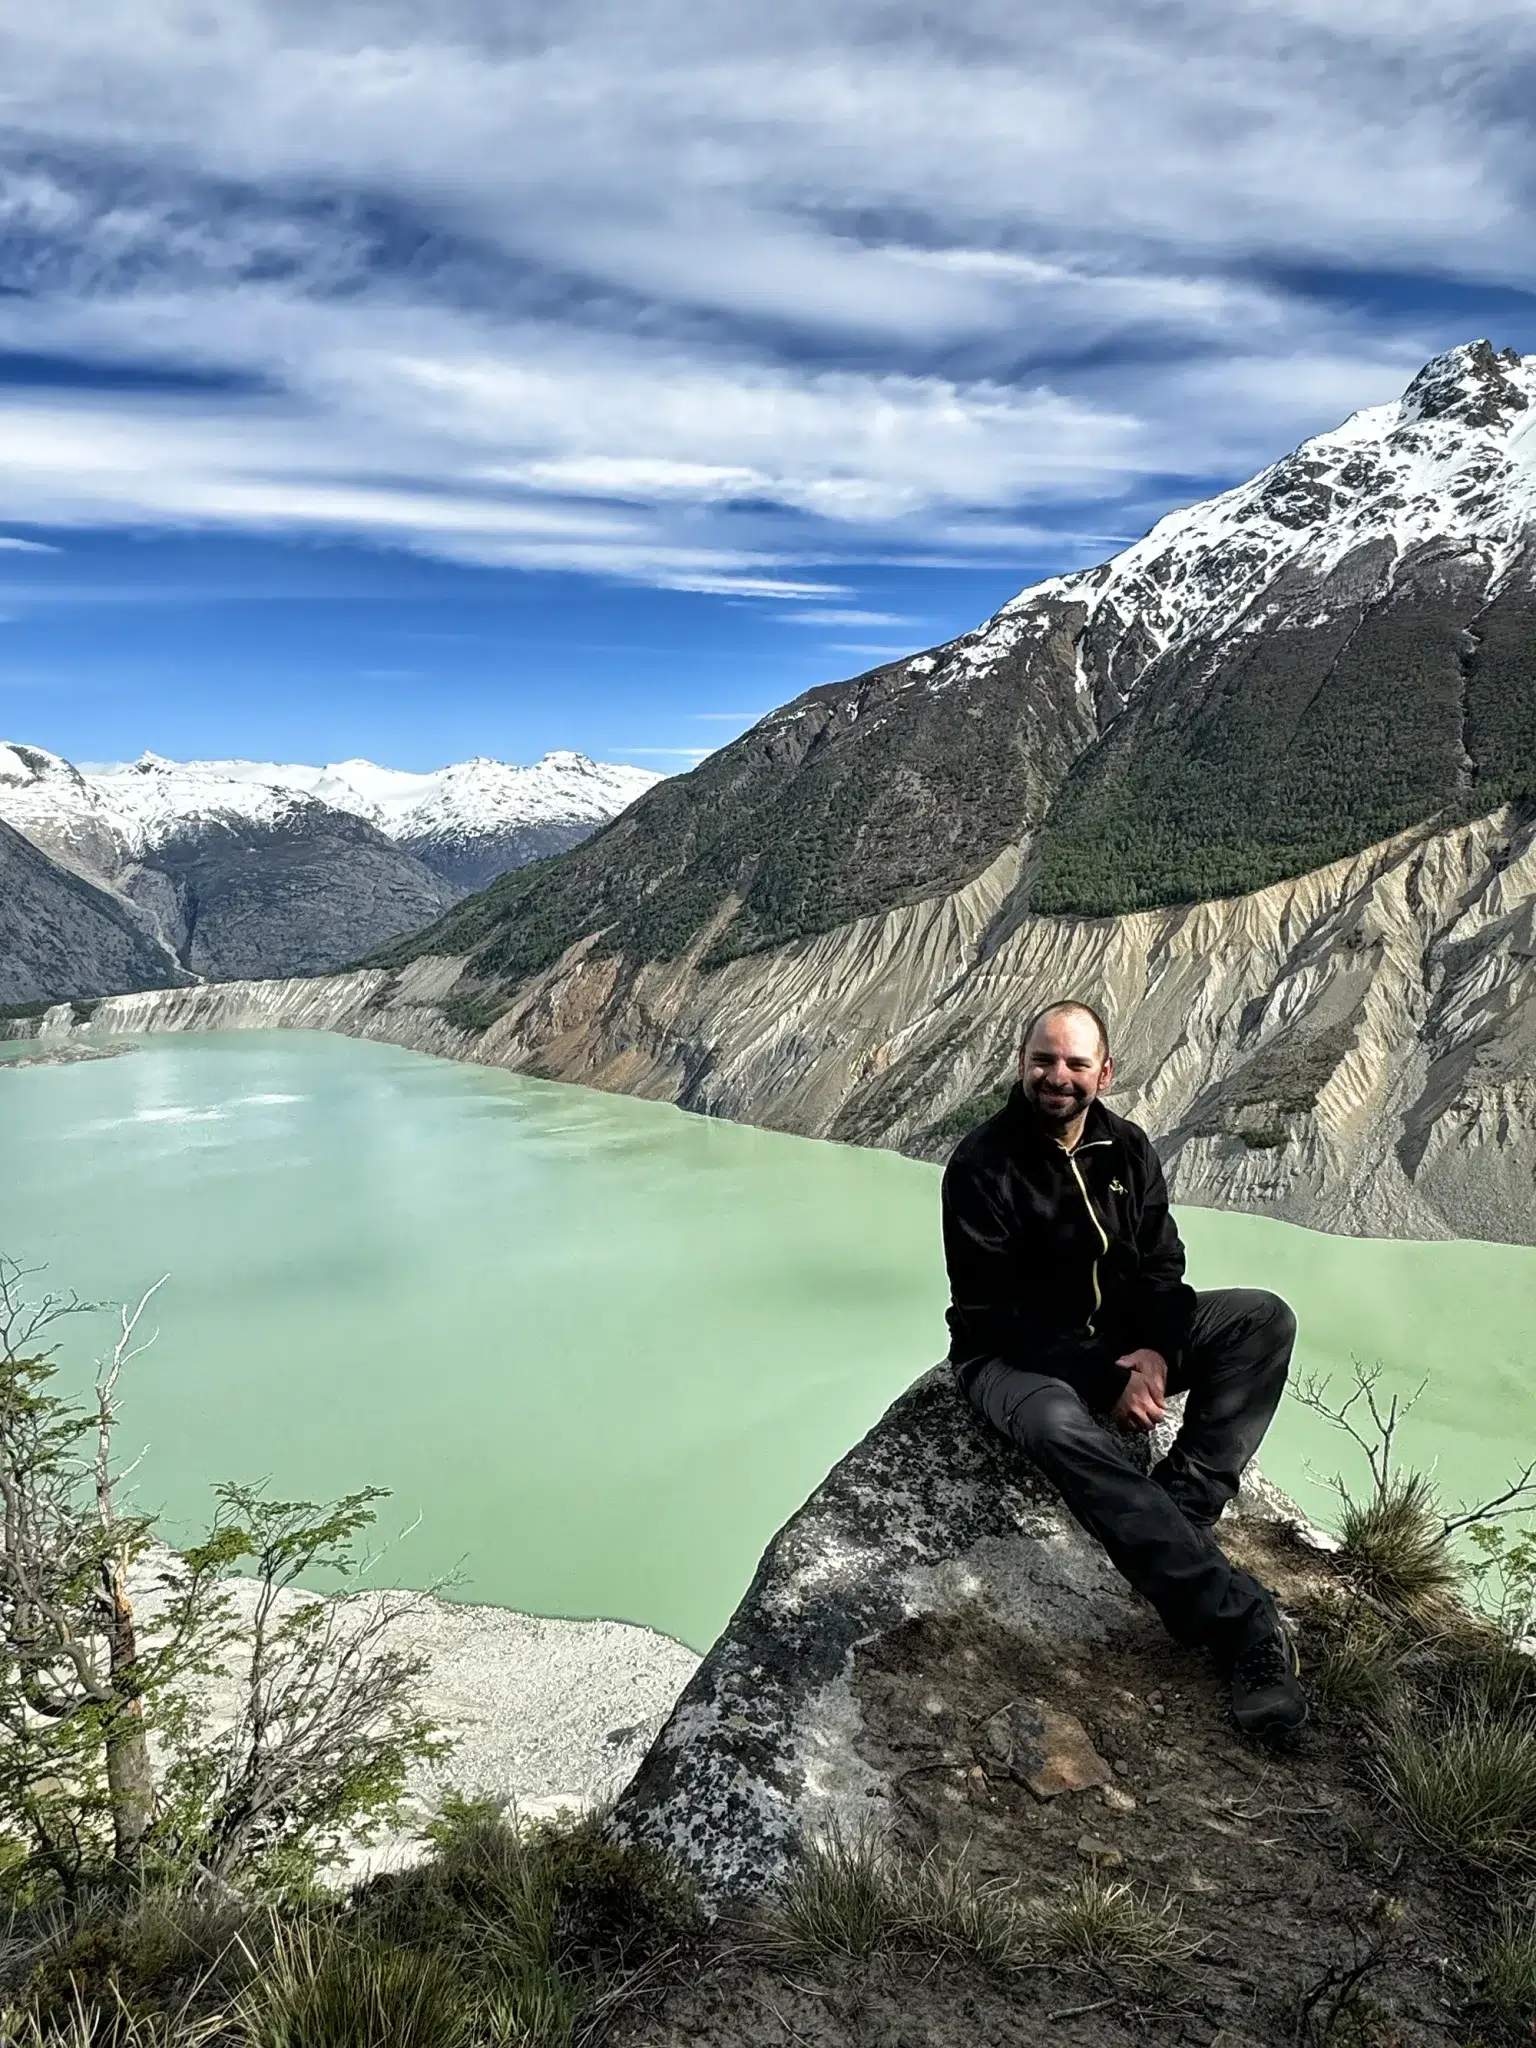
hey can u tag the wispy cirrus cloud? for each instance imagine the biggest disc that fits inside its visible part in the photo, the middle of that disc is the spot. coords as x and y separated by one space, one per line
723 299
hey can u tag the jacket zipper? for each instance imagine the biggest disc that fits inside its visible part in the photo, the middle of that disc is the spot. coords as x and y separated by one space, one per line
1093 1214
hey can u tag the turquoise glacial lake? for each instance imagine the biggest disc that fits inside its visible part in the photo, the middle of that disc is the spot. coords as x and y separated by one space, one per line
598 1349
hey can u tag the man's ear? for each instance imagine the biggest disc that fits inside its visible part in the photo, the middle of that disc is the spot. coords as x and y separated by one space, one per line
1108 1074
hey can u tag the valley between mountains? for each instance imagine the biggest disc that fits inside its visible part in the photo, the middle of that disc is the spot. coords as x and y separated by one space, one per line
1263 785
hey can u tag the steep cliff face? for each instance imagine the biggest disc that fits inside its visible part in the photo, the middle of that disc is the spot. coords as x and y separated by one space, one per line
1355 1049
62 936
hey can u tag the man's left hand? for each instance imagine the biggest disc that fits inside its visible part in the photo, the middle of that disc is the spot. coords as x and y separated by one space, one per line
1142 1404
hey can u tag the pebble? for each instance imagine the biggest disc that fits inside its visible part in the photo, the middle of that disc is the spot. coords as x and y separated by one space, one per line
1117 1800
1103 1855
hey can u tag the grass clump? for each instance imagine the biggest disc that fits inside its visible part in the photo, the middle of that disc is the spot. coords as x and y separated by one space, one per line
107 2023
549 1924
845 1899
509 1936
140 1949
325 1987
1357 1662
951 1911
1394 1543
853 1897
1465 1784
1504 1973
1102 1925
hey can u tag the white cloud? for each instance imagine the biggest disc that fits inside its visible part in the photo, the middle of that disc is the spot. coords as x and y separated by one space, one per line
823 617
718 297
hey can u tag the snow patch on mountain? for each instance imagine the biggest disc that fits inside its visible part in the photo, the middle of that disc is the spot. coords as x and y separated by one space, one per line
1453 460
119 813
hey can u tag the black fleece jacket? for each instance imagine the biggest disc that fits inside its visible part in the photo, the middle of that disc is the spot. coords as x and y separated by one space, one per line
1059 1262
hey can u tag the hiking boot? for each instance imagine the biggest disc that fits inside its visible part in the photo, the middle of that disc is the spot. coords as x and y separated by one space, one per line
1267 1698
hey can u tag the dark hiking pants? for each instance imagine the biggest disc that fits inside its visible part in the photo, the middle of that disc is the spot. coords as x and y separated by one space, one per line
1156 1526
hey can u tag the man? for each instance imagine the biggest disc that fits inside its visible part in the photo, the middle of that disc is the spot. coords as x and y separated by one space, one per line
1068 1305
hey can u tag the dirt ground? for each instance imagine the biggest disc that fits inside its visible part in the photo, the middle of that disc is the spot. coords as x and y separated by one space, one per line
1279 1862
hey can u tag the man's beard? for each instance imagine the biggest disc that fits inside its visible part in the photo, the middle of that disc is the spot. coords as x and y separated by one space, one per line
1055 1109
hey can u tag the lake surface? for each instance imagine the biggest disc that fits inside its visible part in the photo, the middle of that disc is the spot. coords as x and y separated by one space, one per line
600 1347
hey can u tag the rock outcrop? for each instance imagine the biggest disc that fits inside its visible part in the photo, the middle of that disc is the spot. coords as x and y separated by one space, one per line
929 1526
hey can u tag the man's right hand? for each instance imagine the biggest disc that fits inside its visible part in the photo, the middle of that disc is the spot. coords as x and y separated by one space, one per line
1140 1407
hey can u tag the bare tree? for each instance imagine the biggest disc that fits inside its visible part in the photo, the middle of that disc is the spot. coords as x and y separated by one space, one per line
1398 1537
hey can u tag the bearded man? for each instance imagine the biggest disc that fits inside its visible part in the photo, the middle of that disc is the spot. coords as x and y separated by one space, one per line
1071 1325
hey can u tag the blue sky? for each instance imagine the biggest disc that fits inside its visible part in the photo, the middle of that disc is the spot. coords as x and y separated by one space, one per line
420 381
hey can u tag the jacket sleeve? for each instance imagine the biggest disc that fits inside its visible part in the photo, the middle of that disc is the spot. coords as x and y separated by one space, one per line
1163 1307
991 1312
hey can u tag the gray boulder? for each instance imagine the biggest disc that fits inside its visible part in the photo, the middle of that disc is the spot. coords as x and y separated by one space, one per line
928 1523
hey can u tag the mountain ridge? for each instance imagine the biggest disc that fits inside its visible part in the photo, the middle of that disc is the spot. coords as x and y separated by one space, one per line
252 868
1267 682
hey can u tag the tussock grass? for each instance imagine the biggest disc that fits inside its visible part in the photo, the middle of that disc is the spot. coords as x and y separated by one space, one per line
1504 1972
1464 1782
1356 1665
846 1898
551 1925
509 1936
1108 1926
108 2022
852 1897
1394 1545
327 1988
152 1946
1497 1679
949 1909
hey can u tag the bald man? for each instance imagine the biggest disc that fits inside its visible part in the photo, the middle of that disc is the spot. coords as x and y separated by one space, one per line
1071 1325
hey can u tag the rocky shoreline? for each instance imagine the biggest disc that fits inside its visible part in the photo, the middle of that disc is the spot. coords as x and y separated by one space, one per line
543 1714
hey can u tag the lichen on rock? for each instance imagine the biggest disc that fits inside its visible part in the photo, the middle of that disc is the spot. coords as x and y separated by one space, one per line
930 1521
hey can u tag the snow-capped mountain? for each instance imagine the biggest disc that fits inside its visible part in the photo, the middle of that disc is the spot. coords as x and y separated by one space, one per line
265 868
1453 461
1269 680
467 822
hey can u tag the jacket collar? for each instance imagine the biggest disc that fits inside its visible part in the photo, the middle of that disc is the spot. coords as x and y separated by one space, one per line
1098 1126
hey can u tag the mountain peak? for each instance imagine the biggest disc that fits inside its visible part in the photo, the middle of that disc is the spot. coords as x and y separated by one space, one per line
1472 384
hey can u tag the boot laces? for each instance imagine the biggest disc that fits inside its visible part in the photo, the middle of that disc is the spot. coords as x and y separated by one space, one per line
1264 1663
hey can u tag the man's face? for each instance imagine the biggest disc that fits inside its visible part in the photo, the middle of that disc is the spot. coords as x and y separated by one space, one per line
1061 1069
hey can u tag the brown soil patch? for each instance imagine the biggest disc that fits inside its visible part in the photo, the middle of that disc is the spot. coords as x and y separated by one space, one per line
1278 1859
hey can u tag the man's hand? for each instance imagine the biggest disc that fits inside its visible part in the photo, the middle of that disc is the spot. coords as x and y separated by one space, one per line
1142 1404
